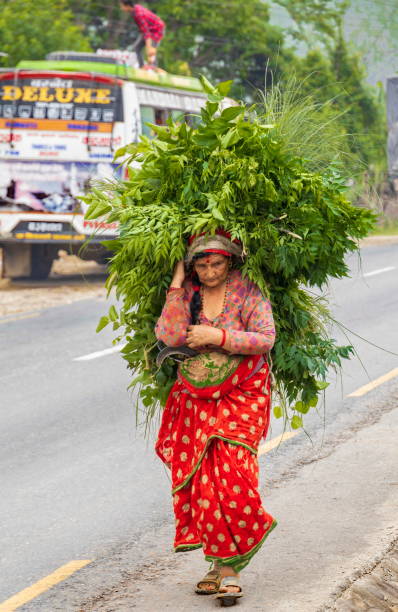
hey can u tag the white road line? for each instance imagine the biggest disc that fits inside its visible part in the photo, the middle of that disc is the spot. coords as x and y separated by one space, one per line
379 271
109 351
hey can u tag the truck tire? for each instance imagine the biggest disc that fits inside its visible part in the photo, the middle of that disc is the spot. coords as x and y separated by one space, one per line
42 257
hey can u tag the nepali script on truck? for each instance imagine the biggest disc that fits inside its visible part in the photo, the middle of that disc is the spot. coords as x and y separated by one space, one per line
61 121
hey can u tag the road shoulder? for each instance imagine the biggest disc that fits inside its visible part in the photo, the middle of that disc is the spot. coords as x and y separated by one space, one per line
336 515
374 588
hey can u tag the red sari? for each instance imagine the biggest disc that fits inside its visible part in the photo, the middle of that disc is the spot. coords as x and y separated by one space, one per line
216 414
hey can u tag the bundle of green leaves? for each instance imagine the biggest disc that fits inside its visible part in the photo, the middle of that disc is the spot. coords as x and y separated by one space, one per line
247 171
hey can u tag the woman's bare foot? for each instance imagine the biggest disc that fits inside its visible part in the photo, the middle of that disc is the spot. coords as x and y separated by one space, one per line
208 586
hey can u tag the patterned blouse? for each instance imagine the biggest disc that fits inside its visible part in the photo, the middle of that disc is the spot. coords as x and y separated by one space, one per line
247 317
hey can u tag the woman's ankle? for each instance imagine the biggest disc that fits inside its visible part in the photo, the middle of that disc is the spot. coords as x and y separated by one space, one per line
227 570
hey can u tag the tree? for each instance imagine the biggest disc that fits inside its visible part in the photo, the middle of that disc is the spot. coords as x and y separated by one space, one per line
365 116
104 24
374 27
334 70
228 39
224 39
315 20
31 29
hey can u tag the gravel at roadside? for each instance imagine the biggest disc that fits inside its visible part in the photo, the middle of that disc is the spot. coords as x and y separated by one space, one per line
71 279
378 240
17 300
376 587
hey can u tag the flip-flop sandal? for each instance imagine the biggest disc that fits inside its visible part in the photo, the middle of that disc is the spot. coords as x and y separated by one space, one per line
213 577
228 598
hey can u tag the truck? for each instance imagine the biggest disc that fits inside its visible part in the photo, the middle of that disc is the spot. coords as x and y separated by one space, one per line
61 121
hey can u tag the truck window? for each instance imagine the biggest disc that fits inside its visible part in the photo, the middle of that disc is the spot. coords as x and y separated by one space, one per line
159 116
147 116
191 119
177 116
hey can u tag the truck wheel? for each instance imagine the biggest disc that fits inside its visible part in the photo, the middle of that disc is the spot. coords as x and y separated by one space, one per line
42 257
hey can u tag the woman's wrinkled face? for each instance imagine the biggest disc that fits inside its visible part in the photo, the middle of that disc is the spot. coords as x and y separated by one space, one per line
212 269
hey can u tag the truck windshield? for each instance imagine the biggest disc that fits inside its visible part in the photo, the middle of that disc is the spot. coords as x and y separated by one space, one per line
48 186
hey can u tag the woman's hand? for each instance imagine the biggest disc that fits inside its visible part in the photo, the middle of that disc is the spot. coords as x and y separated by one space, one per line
179 275
200 335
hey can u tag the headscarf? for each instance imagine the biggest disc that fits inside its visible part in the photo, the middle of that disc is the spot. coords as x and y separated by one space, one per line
221 243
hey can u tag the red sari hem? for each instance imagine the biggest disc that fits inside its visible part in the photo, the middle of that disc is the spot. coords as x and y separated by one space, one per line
239 562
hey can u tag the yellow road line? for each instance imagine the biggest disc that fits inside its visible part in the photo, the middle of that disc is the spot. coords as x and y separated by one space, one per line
374 383
42 585
265 448
19 318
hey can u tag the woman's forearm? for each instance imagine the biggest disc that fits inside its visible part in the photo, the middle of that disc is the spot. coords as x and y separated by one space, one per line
249 343
259 336
172 324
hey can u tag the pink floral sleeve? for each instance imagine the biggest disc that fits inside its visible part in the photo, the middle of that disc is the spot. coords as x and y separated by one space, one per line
259 334
172 324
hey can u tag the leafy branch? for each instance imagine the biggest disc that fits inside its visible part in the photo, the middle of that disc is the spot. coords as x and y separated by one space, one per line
245 170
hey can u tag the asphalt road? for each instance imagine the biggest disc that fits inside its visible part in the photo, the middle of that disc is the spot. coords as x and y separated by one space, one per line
77 479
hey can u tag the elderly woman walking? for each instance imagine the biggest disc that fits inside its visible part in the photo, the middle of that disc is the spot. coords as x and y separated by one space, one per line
217 411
